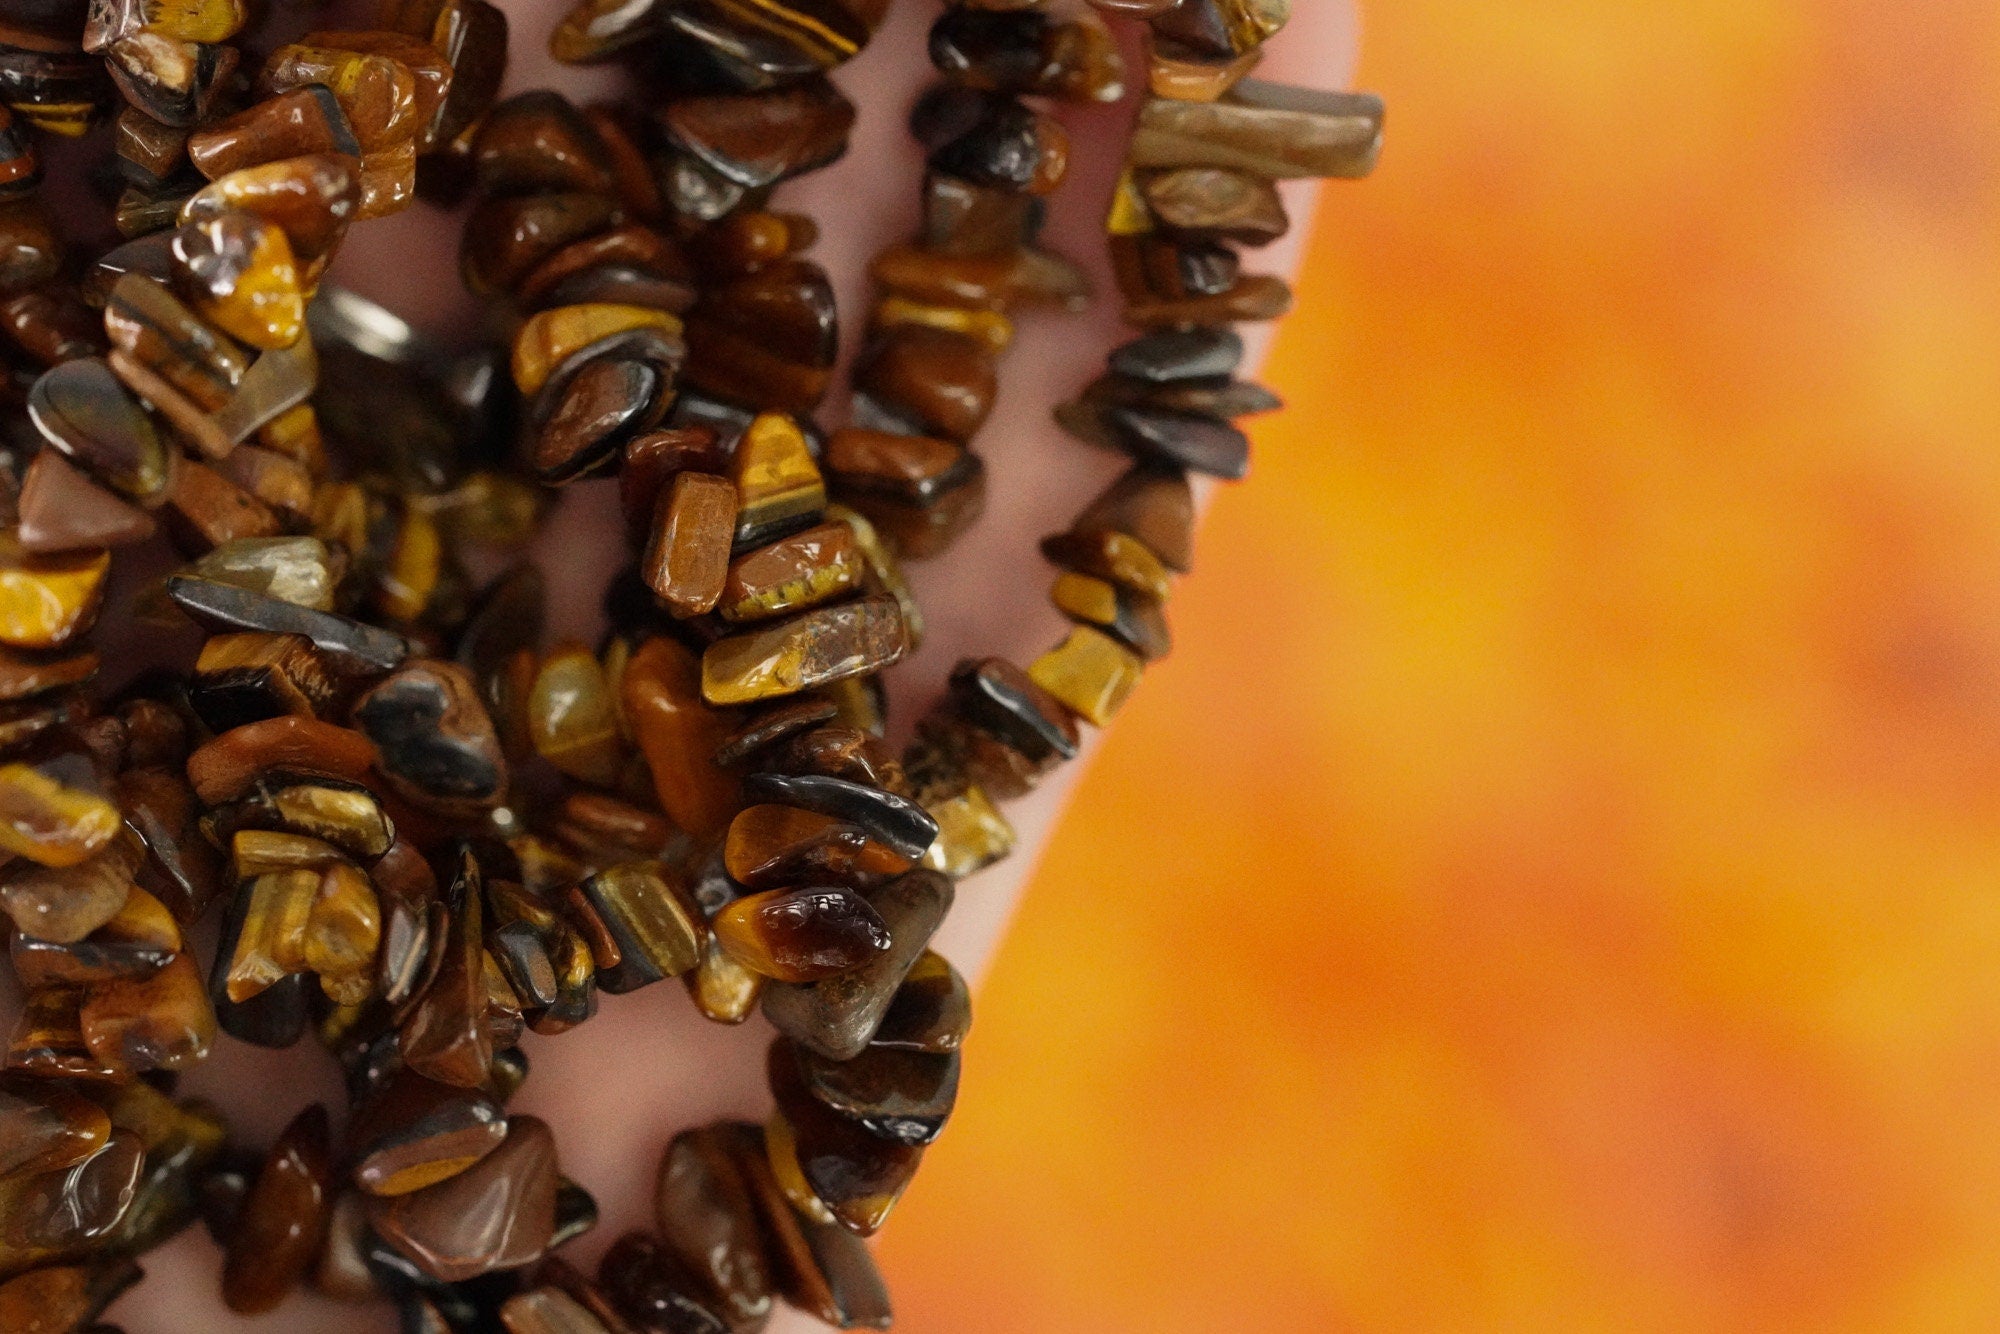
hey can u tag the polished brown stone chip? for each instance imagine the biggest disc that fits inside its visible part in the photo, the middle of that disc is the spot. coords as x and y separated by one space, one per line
802 935
500 1213
278 1231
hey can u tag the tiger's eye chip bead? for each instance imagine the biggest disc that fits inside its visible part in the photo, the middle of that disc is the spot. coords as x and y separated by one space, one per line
429 829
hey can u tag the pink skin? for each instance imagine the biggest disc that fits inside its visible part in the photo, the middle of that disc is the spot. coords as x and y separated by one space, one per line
648 1065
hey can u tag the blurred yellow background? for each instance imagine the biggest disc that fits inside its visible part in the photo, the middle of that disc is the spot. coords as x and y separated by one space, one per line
1556 883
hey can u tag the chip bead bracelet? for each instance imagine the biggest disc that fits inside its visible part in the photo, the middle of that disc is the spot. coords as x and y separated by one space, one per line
424 831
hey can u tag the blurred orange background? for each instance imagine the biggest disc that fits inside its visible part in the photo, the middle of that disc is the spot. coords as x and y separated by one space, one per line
1556 883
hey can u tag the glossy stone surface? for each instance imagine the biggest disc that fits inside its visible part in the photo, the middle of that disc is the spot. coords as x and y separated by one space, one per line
638 264
1221 27
346 815
593 413
47 1042
773 846
64 904
47 1127
857 1175
271 400
573 716
912 468
967 221
471 35
83 411
415 1132
60 1298
24 676
1179 354
390 84
894 1093
1109 553
412 918
838 1017
312 197
62 510
1208 200
498 1214
53 812
722 989
802 935
597 29
759 139
990 327
241 678
300 123
773 724
137 943
768 339
597 825
279 1229
1133 619
181 867
433 738
444 1036
792 573
778 484
507 237
1265 130
989 140
226 767
538 142
821 646
160 1022
239 272
999 698
51 325
20 165
30 250
46 1214
657 929
943 382
896 821
837 751
822 1268
707 1215
205 510
931 1011
678 732
343 934
1182 440
1174 72
1023 277
686 563
353 646
972 833
549 1311
270 935
553 336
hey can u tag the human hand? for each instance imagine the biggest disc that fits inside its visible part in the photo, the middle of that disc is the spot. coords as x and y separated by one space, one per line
648 1065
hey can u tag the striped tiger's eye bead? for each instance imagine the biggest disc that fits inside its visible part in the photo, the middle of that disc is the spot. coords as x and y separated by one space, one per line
687 554
816 648
500 1213
299 123
239 272
53 810
791 574
802 935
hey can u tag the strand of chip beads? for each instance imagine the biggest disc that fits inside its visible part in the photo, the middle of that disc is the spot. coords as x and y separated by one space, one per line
424 994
